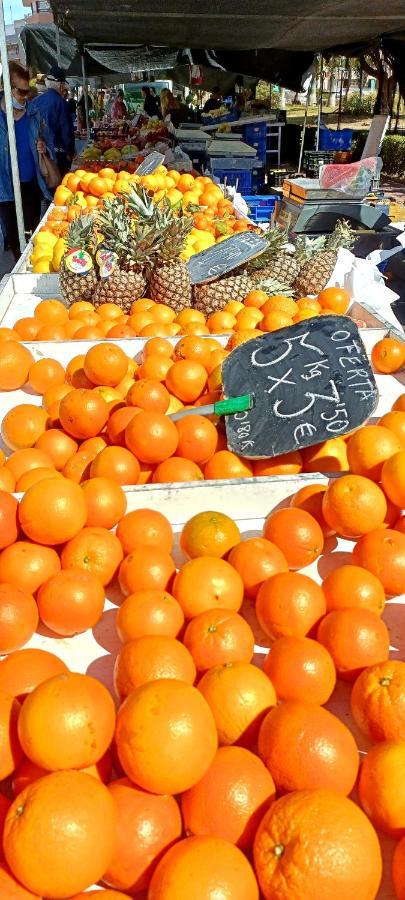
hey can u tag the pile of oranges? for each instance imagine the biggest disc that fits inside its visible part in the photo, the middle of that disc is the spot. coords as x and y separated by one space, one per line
257 314
106 415
214 777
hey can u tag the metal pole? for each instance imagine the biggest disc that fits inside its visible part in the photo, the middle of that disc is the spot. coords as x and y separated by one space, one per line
58 53
86 97
320 104
11 132
305 121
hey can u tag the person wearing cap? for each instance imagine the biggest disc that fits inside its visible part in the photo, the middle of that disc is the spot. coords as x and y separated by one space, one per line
56 113
32 138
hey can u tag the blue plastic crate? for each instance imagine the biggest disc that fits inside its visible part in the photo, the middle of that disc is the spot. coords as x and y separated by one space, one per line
256 132
242 176
261 207
257 181
335 140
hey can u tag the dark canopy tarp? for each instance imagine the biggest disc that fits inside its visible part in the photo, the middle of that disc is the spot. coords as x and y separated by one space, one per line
39 43
296 25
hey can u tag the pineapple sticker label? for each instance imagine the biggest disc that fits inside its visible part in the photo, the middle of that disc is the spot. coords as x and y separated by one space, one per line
310 382
78 262
222 258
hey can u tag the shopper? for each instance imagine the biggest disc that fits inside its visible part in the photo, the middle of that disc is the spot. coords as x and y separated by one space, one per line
32 137
119 109
151 104
173 108
214 102
54 108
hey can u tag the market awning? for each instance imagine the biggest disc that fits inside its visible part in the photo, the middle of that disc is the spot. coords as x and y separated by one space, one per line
296 25
39 43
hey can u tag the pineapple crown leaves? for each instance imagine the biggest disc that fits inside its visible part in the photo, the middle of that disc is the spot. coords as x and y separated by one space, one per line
82 234
342 236
277 240
273 288
168 224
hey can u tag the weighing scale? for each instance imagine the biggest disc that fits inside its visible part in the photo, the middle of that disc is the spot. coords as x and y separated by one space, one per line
306 208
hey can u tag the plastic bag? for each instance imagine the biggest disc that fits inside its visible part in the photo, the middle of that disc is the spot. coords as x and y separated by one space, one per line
177 159
353 179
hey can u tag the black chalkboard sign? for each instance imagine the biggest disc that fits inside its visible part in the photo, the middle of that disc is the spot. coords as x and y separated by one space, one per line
310 382
222 258
150 163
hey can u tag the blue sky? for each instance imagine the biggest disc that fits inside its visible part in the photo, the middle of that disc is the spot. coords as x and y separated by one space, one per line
13 9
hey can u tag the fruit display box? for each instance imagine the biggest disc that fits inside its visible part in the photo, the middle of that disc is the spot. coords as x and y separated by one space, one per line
21 292
94 651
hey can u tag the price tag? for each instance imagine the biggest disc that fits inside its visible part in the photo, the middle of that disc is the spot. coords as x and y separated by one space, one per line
224 257
150 163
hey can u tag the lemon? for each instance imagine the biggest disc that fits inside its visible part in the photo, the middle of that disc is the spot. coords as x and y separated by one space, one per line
174 406
59 251
45 238
224 237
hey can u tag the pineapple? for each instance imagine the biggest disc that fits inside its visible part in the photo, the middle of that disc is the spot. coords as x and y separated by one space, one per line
169 281
275 263
81 236
318 258
131 243
212 297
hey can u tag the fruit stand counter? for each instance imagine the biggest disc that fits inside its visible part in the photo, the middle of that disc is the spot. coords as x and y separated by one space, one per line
94 652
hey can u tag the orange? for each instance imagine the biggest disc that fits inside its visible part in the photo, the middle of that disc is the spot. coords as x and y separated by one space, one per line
45 373
51 312
11 752
272 321
177 469
382 552
304 746
149 612
15 363
355 639
105 364
148 394
120 331
27 772
377 701
238 782
94 550
83 718
151 436
7 480
83 413
8 520
186 379
27 328
78 466
256 560
393 478
18 618
9 334
146 568
224 464
33 477
198 438
158 347
145 528
335 299
166 736
289 604
26 565
239 695
71 602
380 787
256 299
395 422
188 315
369 448
300 669
51 333
329 456
151 657
218 636
280 304
105 501
194 348
54 394
206 583
354 505
116 464
118 422
297 534
155 368
308 303
23 425
298 837
78 837
397 869
59 446
204 862
353 586
65 508
285 464
399 403
147 826
209 534
388 355
23 670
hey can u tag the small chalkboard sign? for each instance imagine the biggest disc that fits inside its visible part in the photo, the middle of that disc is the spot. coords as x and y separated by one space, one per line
310 382
150 163
222 258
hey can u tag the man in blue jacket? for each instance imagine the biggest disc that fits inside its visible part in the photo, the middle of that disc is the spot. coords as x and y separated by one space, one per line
55 110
